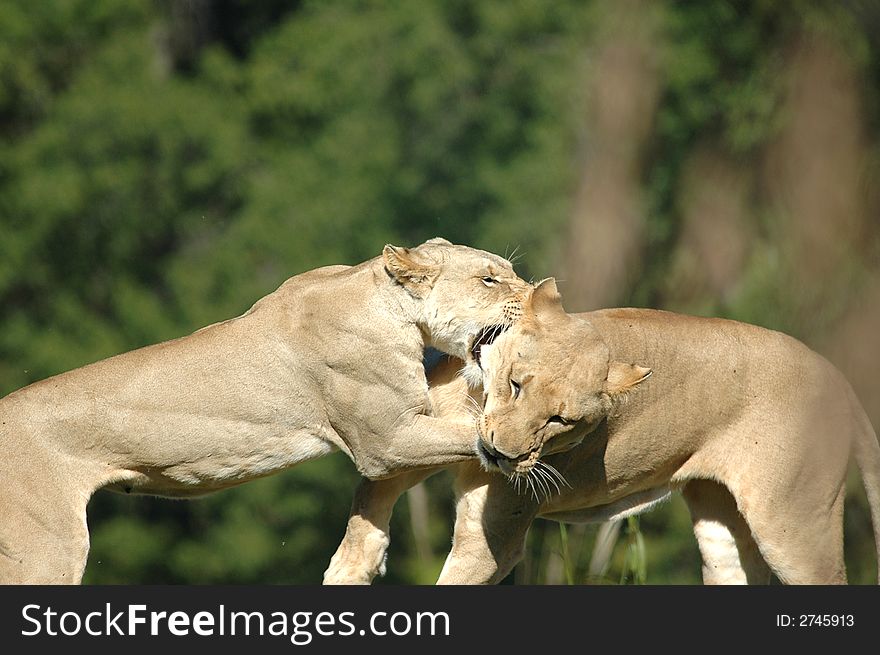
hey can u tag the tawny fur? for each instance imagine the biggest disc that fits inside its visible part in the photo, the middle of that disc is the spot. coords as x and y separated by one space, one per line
331 360
755 429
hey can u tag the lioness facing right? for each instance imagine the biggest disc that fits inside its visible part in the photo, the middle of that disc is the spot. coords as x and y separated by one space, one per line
618 408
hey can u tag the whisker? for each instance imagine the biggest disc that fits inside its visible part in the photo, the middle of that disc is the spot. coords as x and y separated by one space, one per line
536 488
473 409
555 474
514 257
553 470
530 485
562 479
552 481
547 490
473 413
546 480
414 408
471 399
516 479
470 412
550 478
530 480
539 482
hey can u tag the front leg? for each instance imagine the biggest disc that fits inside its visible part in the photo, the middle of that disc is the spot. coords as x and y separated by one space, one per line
424 442
361 555
491 523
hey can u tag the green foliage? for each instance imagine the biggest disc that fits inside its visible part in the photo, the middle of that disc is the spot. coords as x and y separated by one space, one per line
635 564
566 554
160 171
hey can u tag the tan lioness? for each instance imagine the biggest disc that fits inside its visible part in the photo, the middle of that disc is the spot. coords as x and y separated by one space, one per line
602 415
331 360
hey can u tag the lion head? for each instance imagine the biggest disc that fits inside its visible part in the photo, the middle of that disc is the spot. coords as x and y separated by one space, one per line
467 297
549 381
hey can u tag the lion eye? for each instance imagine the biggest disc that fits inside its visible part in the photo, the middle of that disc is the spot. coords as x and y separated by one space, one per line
559 420
515 389
489 281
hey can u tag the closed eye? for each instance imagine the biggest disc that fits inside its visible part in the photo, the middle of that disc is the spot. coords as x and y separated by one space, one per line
559 420
489 281
515 388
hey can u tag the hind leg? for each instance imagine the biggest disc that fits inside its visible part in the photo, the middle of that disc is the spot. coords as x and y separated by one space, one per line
802 542
729 552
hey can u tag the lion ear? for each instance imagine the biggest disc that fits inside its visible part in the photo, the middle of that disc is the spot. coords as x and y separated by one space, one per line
546 299
623 377
404 266
438 241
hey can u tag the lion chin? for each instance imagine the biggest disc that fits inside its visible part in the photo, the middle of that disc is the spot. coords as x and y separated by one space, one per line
472 374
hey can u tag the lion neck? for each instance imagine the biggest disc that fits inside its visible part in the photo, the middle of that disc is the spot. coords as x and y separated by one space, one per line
435 330
402 305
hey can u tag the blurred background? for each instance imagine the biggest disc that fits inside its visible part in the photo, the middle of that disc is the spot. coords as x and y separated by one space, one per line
165 163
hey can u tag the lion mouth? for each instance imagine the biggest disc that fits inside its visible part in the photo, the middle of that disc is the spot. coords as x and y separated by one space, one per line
489 457
485 337
528 474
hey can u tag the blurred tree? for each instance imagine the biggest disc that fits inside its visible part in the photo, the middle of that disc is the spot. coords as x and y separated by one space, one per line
163 164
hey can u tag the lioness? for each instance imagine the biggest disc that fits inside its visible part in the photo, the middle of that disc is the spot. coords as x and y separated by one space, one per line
331 360
599 416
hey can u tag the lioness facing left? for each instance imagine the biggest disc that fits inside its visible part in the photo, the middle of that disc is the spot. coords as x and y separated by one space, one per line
598 416
331 360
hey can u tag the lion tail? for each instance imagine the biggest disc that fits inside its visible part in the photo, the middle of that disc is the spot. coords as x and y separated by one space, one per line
867 455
